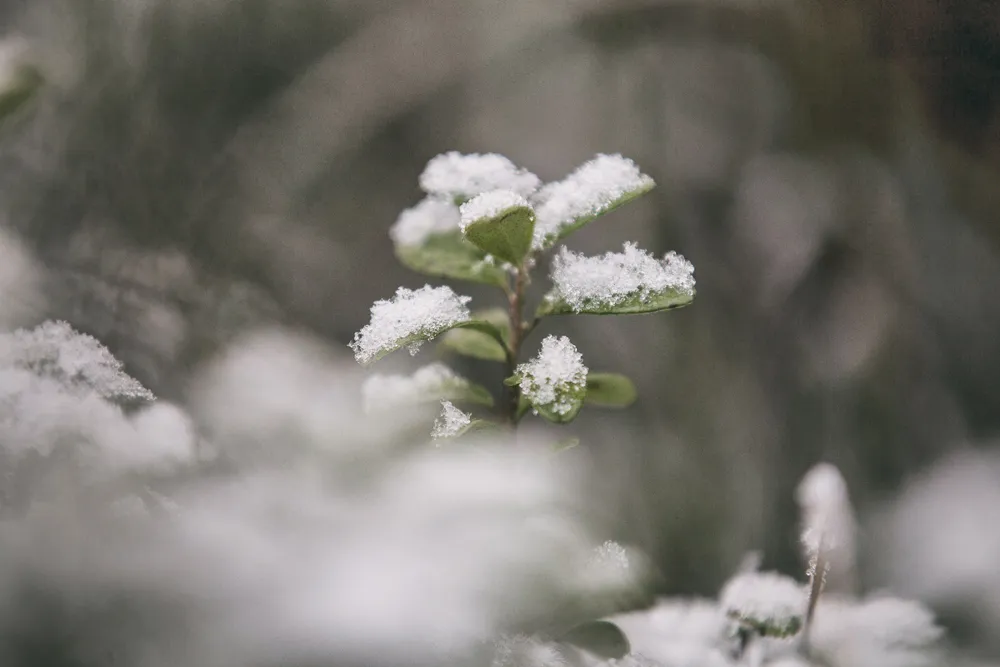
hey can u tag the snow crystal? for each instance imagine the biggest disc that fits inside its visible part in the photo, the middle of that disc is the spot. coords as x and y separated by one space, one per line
766 599
451 422
382 392
54 349
490 205
590 190
431 216
611 279
455 175
422 313
551 378
828 519
525 651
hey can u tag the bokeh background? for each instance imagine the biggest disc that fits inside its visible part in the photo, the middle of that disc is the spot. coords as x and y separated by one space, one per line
193 168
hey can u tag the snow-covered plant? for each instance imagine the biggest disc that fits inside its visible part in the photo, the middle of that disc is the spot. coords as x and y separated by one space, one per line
486 220
760 618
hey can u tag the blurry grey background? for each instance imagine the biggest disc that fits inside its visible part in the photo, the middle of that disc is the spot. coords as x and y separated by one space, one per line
196 167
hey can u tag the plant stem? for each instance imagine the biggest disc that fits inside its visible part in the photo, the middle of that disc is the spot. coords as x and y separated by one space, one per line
515 299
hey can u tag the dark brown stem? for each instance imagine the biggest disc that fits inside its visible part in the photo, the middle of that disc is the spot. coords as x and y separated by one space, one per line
512 395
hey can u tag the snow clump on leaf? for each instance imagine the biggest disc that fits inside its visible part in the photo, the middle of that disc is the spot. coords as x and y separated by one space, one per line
409 318
592 189
431 216
451 423
609 280
556 378
459 176
769 603
78 361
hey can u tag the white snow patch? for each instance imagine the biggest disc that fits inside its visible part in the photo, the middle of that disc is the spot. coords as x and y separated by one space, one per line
458 176
554 376
451 422
431 216
78 361
423 313
590 190
609 280
765 598
385 392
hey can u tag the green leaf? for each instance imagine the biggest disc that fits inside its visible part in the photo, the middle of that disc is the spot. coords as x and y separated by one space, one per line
473 344
602 638
487 328
448 255
478 343
506 235
611 390
26 82
552 304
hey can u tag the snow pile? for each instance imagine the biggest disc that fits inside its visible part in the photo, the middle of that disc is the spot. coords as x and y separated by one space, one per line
490 205
556 378
431 216
593 188
612 279
451 422
457 176
409 318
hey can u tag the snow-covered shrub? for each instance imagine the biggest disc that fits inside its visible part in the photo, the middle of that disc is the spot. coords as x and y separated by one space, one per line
487 220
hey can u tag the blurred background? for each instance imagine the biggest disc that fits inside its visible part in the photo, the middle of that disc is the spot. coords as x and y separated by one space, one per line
193 168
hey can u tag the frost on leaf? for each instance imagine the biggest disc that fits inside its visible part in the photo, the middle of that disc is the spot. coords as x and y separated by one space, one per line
78 361
555 381
452 422
431 383
768 603
632 281
431 216
459 177
596 187
408 319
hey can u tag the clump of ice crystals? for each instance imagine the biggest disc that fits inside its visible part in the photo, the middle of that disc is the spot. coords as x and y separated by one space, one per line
458 176
490 205
77 361
409 318
770 602
451 422
385 392
431 216
555 377
590 190
611 279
